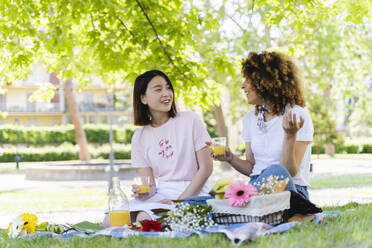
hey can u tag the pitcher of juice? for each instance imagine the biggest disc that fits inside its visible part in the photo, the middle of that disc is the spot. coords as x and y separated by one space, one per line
219 146
118 205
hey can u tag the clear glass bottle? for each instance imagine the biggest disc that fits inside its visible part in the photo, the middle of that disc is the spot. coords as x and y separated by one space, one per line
118 205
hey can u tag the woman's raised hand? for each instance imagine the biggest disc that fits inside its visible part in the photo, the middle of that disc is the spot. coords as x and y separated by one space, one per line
141 197
290 124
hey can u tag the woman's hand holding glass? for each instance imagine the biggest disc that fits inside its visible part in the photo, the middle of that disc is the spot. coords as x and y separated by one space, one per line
143 189
220 152
138 196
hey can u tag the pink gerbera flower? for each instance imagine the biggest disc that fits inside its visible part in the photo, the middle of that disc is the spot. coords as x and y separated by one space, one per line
238 194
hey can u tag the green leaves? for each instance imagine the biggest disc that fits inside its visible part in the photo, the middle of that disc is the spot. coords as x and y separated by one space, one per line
198 45
80 39
45 93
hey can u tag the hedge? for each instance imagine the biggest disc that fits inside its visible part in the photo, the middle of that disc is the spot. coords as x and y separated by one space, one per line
63 152
366 148
317 149
41 136
340 148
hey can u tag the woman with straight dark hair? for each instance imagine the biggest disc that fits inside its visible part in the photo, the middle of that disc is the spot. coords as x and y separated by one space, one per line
142 115
170 146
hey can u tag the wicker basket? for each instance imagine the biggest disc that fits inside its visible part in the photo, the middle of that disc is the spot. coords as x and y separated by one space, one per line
228 219
271 209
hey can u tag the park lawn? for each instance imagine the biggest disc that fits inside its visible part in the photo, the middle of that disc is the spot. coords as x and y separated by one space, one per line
350 229
52 200
341 181
10 168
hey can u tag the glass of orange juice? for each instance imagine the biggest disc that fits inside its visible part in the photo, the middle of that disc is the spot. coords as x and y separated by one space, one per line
219 146
143 183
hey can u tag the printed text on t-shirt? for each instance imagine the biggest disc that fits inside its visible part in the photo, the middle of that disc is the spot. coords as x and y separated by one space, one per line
166 149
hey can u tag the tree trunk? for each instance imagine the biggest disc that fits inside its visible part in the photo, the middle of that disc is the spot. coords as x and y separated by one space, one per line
222 130
81 139
220 122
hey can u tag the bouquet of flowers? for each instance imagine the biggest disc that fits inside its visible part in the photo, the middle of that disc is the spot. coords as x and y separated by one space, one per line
145 226
238 194
186 217
27 224
272 185
22 225
253 202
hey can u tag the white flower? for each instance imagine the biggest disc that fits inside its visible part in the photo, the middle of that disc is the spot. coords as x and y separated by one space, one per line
16 228
186 217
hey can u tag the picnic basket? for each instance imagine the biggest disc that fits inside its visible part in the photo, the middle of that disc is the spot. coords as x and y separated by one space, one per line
271 209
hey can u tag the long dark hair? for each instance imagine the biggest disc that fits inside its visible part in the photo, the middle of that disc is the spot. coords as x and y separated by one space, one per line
142 116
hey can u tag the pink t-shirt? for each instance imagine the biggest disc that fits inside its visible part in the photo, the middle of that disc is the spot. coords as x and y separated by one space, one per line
170 149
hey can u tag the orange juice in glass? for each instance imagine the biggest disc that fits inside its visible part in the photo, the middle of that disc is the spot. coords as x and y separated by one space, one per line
119 218
219 146
143 183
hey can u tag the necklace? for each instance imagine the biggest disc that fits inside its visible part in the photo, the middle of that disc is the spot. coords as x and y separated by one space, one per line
261 118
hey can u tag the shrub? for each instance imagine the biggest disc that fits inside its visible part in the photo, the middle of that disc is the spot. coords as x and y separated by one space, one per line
128 132
352 149
63 152
317 149
366 148
340 148
41 136
241 148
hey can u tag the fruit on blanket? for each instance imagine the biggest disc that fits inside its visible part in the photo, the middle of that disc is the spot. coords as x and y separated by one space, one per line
220 196
221 185
50 227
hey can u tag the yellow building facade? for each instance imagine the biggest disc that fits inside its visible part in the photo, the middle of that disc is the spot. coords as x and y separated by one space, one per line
93 103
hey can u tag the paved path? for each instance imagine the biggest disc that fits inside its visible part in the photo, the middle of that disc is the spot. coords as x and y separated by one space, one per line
321 197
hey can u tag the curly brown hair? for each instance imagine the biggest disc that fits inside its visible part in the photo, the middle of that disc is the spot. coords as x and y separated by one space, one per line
275 78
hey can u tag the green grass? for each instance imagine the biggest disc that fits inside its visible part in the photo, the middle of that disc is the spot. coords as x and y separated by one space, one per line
52 200
350 229
341 181
6 168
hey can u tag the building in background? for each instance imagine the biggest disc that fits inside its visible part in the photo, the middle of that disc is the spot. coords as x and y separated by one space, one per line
93 102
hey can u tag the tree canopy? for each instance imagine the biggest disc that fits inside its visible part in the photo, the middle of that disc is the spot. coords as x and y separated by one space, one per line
114 40
197 43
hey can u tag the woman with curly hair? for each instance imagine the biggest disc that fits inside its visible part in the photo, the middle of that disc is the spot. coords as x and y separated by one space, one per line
278 133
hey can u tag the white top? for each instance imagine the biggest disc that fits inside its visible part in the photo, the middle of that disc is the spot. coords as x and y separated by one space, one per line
170 149
267 146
